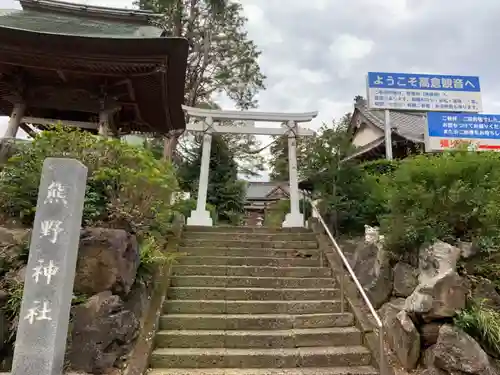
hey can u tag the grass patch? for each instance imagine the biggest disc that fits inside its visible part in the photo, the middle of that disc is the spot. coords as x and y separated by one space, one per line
483 324
152 255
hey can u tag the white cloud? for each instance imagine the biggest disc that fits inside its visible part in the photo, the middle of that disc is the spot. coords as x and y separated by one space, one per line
346 50
350 47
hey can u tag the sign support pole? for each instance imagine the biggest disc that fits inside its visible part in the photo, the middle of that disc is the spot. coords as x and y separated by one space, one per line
388 135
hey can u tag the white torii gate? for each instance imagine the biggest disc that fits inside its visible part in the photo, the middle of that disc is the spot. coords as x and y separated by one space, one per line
206 121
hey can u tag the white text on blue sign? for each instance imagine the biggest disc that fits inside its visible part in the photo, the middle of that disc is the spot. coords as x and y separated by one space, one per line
407 81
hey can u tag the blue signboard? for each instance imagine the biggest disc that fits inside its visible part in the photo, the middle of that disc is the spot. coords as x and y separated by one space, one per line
424 92
444 129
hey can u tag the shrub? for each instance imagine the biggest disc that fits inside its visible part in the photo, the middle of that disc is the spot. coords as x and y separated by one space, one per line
126 186
483 324
486 265
380 167
454 195
277 212
355 198
151 256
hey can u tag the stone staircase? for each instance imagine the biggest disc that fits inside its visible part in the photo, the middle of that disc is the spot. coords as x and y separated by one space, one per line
255 301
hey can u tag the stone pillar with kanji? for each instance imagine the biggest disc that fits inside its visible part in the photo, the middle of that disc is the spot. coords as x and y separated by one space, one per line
48 288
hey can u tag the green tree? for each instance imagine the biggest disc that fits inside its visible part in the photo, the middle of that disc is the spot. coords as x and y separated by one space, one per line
325 151
279 159
225 192
221 56
314 154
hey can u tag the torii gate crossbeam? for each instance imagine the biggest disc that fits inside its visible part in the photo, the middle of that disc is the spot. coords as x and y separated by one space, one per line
206 121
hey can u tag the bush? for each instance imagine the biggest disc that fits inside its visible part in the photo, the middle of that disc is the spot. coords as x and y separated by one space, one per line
358 195
451 196
275 215
185 207
380 167
483 324
151 256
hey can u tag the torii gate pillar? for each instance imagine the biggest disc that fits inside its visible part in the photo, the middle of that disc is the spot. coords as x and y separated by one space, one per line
201 216
293 219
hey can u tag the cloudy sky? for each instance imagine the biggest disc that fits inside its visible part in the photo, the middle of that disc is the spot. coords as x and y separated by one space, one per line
316 53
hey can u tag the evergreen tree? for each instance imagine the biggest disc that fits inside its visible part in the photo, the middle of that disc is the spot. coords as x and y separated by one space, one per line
279 159
323 151
225 192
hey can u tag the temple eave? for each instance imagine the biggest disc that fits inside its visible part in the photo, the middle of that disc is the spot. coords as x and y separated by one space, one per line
67 76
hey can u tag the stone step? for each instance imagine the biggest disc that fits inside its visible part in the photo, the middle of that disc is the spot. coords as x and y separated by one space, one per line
234 229
254 321
248 294
248 261
291 338
351 370
251 282
257 236
243 252
250 307
249 244
302 272
260 358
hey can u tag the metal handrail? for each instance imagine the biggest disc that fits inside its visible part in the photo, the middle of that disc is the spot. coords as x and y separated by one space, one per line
378 321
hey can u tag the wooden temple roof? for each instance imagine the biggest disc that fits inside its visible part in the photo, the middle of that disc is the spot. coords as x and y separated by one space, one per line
70 61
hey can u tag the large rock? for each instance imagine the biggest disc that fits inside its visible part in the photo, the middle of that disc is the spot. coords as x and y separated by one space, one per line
404 339
437 259
348 246
427 364
401 332
371 265
439 297
441 292
107 260
102 332
138 299
457 352
12 244
391 308
467 249
429 333
405 279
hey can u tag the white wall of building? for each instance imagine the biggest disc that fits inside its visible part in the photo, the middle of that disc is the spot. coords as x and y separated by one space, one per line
366 134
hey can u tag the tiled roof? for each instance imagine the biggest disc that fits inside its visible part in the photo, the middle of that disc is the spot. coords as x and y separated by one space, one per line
71 24
260 190
410 125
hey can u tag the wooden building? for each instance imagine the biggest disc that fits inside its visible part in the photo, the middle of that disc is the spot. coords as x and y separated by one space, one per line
106 70
260 199
367 132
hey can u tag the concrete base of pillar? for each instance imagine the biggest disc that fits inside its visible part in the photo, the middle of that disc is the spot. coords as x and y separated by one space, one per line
293 220
200 218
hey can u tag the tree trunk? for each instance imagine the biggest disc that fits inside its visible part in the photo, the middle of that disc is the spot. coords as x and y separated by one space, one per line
169 146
